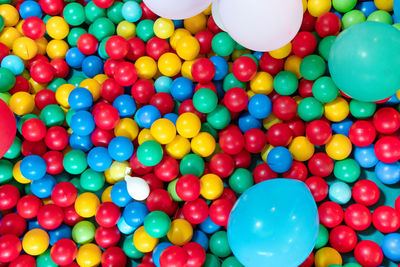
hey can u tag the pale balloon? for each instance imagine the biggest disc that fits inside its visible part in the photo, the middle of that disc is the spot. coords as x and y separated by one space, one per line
216 16
177 9
137 187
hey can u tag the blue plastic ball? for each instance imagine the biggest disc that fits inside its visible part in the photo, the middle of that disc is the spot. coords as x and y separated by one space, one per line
366 7
131 11
260 106
120 148
33 167
182 89
125 228
42 188
200 238
146 115
126 106
208 226
247 122
163 84
34 224
171 117
342 127
135 213
340 192
391 246
221 67
92 65
74 58
99 159
30 9
120 195
178 23
80 142
13 64
61 232
365 156
82 123
157 252
279 159
80 99
388 173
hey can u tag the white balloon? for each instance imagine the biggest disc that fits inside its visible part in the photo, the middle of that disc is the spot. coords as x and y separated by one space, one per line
177 9
261 25
137 187
216 16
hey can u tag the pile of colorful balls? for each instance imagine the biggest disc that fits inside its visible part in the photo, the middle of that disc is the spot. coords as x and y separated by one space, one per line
127 138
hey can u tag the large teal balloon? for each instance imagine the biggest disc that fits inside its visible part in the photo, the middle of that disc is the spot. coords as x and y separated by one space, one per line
280 218
364 61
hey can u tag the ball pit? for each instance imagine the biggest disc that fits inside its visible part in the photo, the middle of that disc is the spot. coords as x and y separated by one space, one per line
130 139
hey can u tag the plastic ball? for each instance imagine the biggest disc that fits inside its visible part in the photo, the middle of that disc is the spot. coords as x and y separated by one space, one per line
10 248
87 204
388 173
368 253
366 192
358 217
279 159
63 252
88 255
327 256
35 242
33 130
386 219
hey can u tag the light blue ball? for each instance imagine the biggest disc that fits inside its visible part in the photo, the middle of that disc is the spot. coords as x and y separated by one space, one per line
182 89
99 159
391 246
119 194
208 226
120 148
388 173
33 167
146 115
221 67
125 228
126 106
80 142
82 123
279 159
260 106
13 64
365 156
340 192
80 99
135 213
163 84
131 11
42 188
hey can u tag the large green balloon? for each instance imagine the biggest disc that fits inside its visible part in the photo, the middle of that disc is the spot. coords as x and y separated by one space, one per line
364 61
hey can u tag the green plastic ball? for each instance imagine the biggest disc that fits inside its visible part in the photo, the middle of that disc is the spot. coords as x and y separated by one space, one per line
75 162
205 100
149 153
5 96
325 90
219 118
312 67
192 164
310 109
83 232
91 180
144 30
324 47
211 261
130 250
352 17
347 170
44 260
102 48
362 110
6 171
69 115
219 245
230 81
322 237
102 28
231 262
52 115
114 12
76 80
74 35
241 180
93 12
7 80
172 190
286 83
15 150
74 14
157 224
222 44
381 16
206 127
344 6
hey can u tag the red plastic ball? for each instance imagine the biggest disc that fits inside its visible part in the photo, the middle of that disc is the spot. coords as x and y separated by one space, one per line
4 51
87 44
330 214
9 196
63 252
386 120
242 159
279 134
203 70
343 238
51 7
229 195
50 216
153 181
365 192
54 162
368 254
137 48
320 164
318 187
13 224
231 140
244 68
64 194
309 262
386 219
102 137
263 172
108 214
319 132
187 106
205 39
117 47
156 47
212 26
33 130
160 199
36 59
222 165
362 133
284 108
57 138
304 44
297 126
23 261
195 211
113 257
271 65
28 206
297 171
33 27
255 140
107 237
305 88
188 187
308 22
10 247
33 148
44 98
125 73
109 66
328 24
196 254
164 102
387 149
138 168
358 217
167 170
21 85
236 99
147 13
110 90
173 256
219 211
60 68
71 217
106 117
142 91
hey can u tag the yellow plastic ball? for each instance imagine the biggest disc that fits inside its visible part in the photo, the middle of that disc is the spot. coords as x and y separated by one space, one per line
88 255
196 23
57 28
180 232
126 29
117 171
100 78
211 186
169 64
178 35
143 241
35 242
106 196
10 15
292 64
22 103
304 2
128 128
145 135
93 86
282 52
62 94
42 45
57 49
25 48
188 48
178 148
186 70
386 5
337 110
8 36
319 7
86 204
327 256
265 151
146 67
262 83
163 28
339 147
270 120
18 175
19 27
188 125
163 130
35 86
203 144
301 148
207 11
